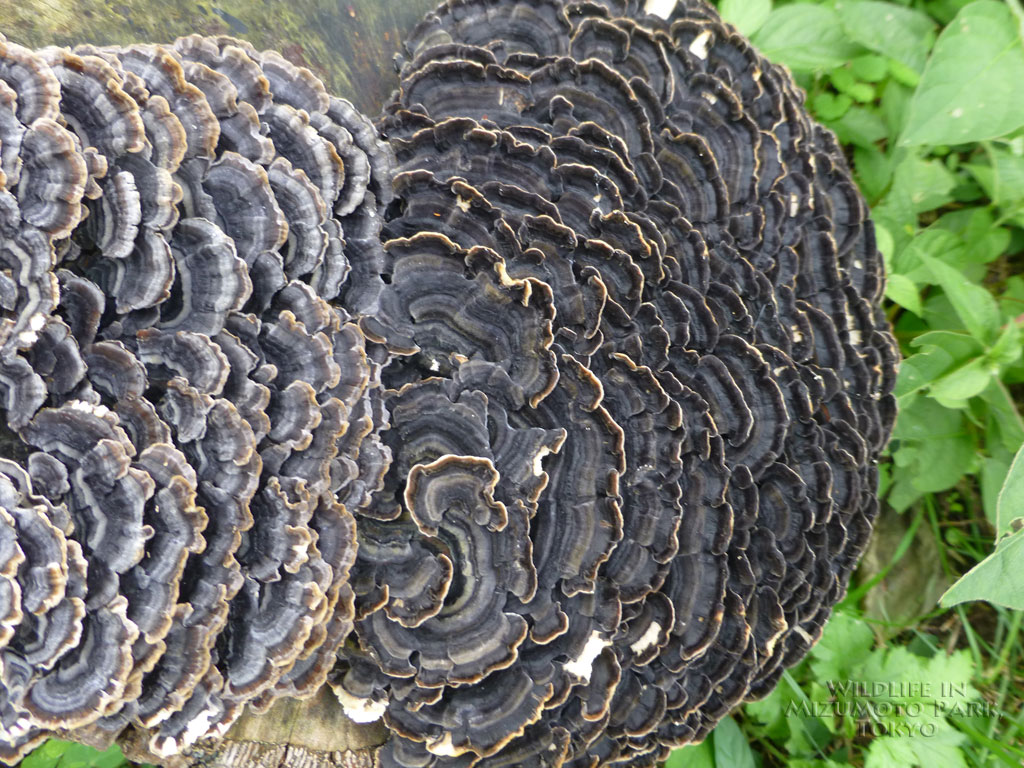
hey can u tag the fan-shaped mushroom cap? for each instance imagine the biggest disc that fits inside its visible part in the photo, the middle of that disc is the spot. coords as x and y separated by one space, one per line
687 351
205 408
546 432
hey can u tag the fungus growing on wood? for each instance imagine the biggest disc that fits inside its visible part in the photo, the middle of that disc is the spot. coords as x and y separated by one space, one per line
544 431
621 246
181 400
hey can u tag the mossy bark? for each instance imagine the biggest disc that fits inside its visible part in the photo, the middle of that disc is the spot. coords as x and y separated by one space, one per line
350 45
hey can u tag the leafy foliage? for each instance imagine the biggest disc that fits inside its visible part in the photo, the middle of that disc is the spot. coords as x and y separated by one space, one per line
64 754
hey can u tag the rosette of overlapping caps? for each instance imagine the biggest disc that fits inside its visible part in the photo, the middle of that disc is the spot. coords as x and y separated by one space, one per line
545 432
187 417
632 297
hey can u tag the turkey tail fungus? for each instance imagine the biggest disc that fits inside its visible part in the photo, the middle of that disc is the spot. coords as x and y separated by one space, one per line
537 425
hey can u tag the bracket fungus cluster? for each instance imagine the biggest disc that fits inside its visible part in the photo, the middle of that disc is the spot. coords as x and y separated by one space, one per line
542 424
191 417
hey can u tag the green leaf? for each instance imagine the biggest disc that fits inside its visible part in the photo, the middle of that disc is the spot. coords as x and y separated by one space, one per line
970 87
731 746
933 241
931 447
918 185
902 33
903 74
874 172
861 127
991 479
929 183
1002 178
901 289
886 246
939 750
958 345
998 579
954 389
1006 419
831 106
692 756
1007 349
975 306
942 462
983 241
941 353
845 644
920 370
862 93
870 68
46 755
842 79
111 758
805 37
925 420
746 15
63 754
1010 502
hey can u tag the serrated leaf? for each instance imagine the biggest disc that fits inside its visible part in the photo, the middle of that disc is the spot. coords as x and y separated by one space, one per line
998 579
1010 502
845 643
941 750
746 15
975 306
950 675
889 29
970 87
805 37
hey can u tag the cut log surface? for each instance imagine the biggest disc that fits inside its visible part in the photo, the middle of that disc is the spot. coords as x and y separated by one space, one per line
291 734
